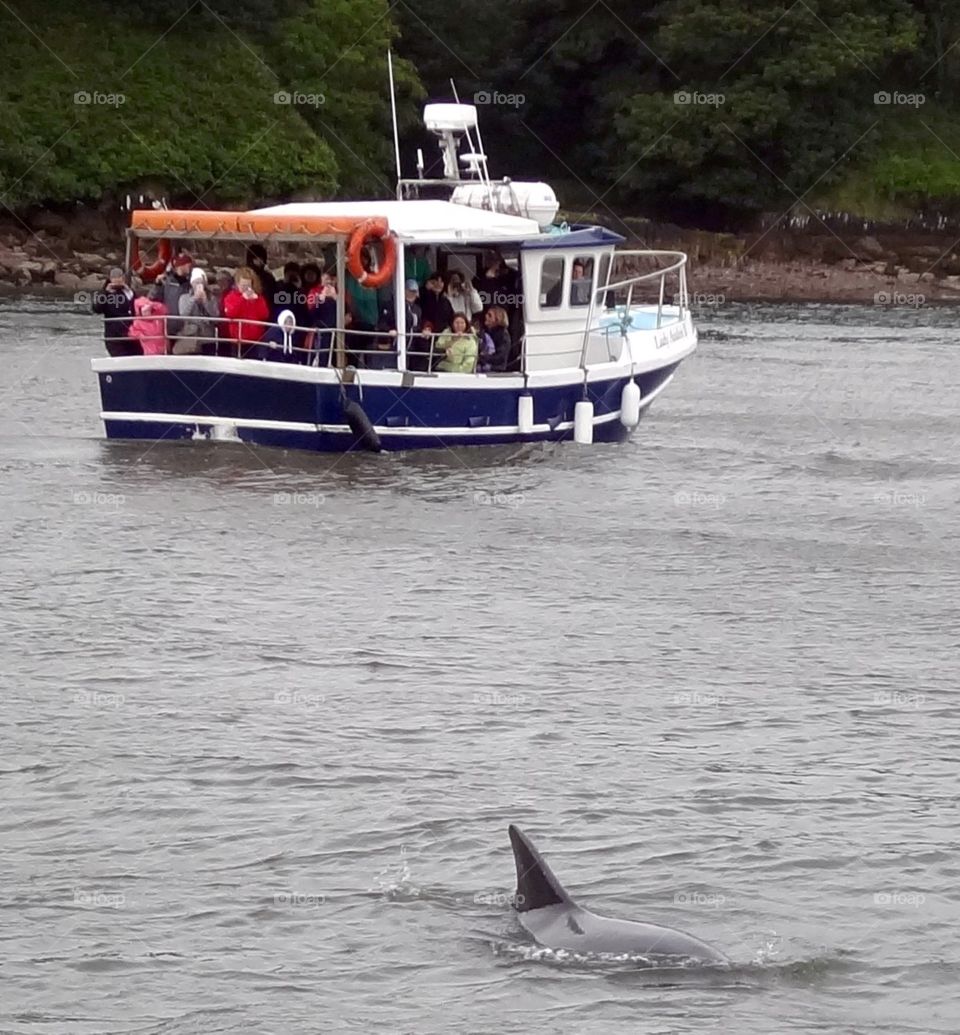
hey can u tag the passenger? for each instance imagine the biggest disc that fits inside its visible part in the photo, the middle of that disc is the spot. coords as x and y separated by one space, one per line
418 347
580 284
459 346
149 326
364 301
288 294
495 322
497 285
199 309
257 261
416 264
323 316
284 338
463 298
176 282
114 302
309 278
437 310
248 312
224 284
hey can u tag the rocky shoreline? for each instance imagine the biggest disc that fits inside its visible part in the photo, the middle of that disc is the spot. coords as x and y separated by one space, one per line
64 256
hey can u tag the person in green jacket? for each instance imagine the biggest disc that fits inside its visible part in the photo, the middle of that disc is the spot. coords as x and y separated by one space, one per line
459 346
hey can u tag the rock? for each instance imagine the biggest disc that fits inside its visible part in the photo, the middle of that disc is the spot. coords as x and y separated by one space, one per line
23 275
39 271
68 281
922 251
848 264
870 248
91 282
90 260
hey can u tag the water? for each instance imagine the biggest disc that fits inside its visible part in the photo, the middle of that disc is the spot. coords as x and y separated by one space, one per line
266 717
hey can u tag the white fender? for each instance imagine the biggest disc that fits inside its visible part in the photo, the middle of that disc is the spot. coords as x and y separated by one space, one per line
525 414
630 405
583 423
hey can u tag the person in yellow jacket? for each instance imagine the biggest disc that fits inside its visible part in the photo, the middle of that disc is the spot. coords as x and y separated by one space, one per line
459 347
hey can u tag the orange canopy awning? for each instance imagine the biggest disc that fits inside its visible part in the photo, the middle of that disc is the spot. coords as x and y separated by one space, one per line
207 223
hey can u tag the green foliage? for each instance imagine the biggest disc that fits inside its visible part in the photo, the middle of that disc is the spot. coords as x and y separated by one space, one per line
189 105
699 110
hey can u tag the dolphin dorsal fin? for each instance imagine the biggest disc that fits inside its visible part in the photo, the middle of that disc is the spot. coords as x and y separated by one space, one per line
536 884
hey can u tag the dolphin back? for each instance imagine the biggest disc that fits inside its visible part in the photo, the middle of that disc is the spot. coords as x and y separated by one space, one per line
537 887
556 921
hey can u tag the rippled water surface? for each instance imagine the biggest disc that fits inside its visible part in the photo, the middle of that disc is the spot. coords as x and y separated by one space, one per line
265 717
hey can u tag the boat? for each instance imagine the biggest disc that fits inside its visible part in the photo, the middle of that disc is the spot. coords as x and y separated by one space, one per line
598 331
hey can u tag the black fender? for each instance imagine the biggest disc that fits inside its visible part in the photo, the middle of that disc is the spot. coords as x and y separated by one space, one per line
361 425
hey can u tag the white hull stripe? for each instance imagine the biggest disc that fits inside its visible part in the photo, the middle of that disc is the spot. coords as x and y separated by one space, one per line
343 429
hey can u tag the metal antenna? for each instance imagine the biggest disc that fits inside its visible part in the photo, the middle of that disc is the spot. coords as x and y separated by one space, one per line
393 109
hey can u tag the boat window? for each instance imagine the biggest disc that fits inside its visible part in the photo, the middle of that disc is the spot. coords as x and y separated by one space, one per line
581 280
551 283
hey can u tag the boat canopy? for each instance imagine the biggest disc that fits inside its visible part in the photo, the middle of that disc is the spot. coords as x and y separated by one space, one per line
206 223
420 221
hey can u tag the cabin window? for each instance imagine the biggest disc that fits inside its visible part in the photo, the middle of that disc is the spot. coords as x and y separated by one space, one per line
581 280
551 283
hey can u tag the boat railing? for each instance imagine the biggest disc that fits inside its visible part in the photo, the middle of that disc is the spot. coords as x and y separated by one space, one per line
323 343
619 295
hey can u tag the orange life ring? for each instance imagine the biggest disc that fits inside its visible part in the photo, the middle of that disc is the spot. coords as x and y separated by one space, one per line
378 230
151 272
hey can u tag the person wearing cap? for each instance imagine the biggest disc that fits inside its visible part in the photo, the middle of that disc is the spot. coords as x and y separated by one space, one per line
176 282
199 308
114 302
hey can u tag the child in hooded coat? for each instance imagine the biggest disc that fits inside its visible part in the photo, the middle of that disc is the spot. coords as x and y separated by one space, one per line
149 327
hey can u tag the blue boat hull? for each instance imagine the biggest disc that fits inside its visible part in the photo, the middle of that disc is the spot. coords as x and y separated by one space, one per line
296 412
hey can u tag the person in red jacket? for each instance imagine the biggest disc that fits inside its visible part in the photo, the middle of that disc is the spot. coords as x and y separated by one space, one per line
247 310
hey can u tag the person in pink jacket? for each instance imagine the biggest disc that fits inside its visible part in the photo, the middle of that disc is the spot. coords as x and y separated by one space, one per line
149 328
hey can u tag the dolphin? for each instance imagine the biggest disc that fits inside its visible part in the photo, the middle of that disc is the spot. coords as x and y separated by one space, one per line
548 913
